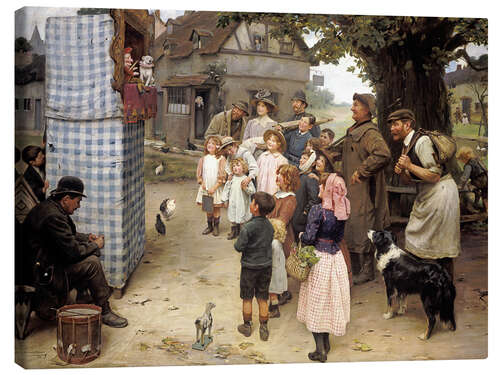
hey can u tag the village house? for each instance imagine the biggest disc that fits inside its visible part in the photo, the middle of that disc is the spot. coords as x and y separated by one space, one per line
467 85
201 69
30 85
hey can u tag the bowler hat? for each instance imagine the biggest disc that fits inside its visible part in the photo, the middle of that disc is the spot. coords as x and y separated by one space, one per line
264 96
401 114
278 134
241 105
69 185
300 95
368 100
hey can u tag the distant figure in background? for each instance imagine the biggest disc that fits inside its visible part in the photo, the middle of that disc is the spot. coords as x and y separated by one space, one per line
465 119
476 172
35 174
299 105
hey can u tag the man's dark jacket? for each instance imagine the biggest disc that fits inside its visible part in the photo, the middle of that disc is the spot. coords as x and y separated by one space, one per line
51 239
307 196
36 182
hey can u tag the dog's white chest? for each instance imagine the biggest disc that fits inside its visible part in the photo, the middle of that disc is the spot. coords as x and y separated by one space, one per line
393 253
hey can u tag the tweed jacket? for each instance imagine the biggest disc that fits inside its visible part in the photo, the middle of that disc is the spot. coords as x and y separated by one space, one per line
222 126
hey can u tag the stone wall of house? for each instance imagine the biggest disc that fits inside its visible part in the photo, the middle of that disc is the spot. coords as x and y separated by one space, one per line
25 118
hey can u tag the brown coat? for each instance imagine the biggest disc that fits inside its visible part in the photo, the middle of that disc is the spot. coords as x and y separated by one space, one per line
365 150
283 210
221 125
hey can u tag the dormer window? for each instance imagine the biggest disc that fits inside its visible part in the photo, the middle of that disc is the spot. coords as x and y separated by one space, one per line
200 38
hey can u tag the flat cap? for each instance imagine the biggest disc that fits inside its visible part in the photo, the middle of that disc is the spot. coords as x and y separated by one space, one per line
368 100
401 114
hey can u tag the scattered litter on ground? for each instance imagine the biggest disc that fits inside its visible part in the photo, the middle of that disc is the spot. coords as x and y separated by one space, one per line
172 308
171 345
219 330
147 262
258 357
371 330
361 346
245 345
156 287
225 350
184 270
141 331
166 299
143 347
139 302
296 349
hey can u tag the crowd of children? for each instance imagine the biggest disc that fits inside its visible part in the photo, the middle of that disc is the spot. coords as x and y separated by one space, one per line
293 195
270 184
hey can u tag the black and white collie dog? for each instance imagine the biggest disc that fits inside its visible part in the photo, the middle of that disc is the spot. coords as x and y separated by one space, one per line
406 274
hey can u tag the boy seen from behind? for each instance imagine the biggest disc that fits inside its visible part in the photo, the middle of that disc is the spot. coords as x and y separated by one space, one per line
254 244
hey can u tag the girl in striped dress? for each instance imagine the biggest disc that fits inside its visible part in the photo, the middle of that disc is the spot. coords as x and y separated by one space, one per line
324 298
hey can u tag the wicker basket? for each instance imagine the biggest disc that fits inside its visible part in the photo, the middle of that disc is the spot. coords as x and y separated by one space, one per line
295 268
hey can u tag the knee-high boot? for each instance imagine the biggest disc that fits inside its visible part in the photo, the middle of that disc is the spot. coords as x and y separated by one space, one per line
320 353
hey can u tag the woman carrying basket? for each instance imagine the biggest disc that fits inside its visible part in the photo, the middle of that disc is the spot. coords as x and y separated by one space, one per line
324 298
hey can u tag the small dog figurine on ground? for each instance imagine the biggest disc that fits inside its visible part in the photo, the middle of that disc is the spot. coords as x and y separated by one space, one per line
406 274
146 70
203 322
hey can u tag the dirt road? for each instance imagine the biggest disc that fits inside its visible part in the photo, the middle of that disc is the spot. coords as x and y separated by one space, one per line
184 270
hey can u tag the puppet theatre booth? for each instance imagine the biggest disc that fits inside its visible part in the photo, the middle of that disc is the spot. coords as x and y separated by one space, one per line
88 136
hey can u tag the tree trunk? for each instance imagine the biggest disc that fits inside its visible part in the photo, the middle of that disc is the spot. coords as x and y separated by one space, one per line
405 84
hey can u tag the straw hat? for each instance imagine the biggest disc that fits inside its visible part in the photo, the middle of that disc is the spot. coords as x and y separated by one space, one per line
264 96
278 134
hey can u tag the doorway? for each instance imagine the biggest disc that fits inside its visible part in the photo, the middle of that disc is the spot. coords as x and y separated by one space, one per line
200 112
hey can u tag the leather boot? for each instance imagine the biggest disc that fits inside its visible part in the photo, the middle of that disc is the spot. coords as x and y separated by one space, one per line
245 329
233 234
319 354
274 311
264 331
111 319
326 341
216 226
210 226
366 272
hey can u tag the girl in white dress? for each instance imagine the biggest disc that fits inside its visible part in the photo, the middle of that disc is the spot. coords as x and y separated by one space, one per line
236 198
211 176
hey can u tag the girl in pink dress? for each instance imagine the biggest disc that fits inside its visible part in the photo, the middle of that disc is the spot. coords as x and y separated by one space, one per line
270 160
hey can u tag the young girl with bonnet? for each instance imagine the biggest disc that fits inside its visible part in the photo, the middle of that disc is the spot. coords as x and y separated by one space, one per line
211 176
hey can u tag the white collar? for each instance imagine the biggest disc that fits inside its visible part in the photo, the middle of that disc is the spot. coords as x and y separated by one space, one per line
407 140
283 194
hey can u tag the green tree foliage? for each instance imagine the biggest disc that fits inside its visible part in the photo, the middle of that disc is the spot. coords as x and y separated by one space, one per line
402 57
22 45
319 98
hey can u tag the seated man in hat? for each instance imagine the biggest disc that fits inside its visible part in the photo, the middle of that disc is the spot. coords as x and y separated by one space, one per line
63 258
229 123
299 105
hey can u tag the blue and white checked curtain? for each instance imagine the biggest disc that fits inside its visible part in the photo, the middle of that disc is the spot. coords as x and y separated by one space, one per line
86 137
